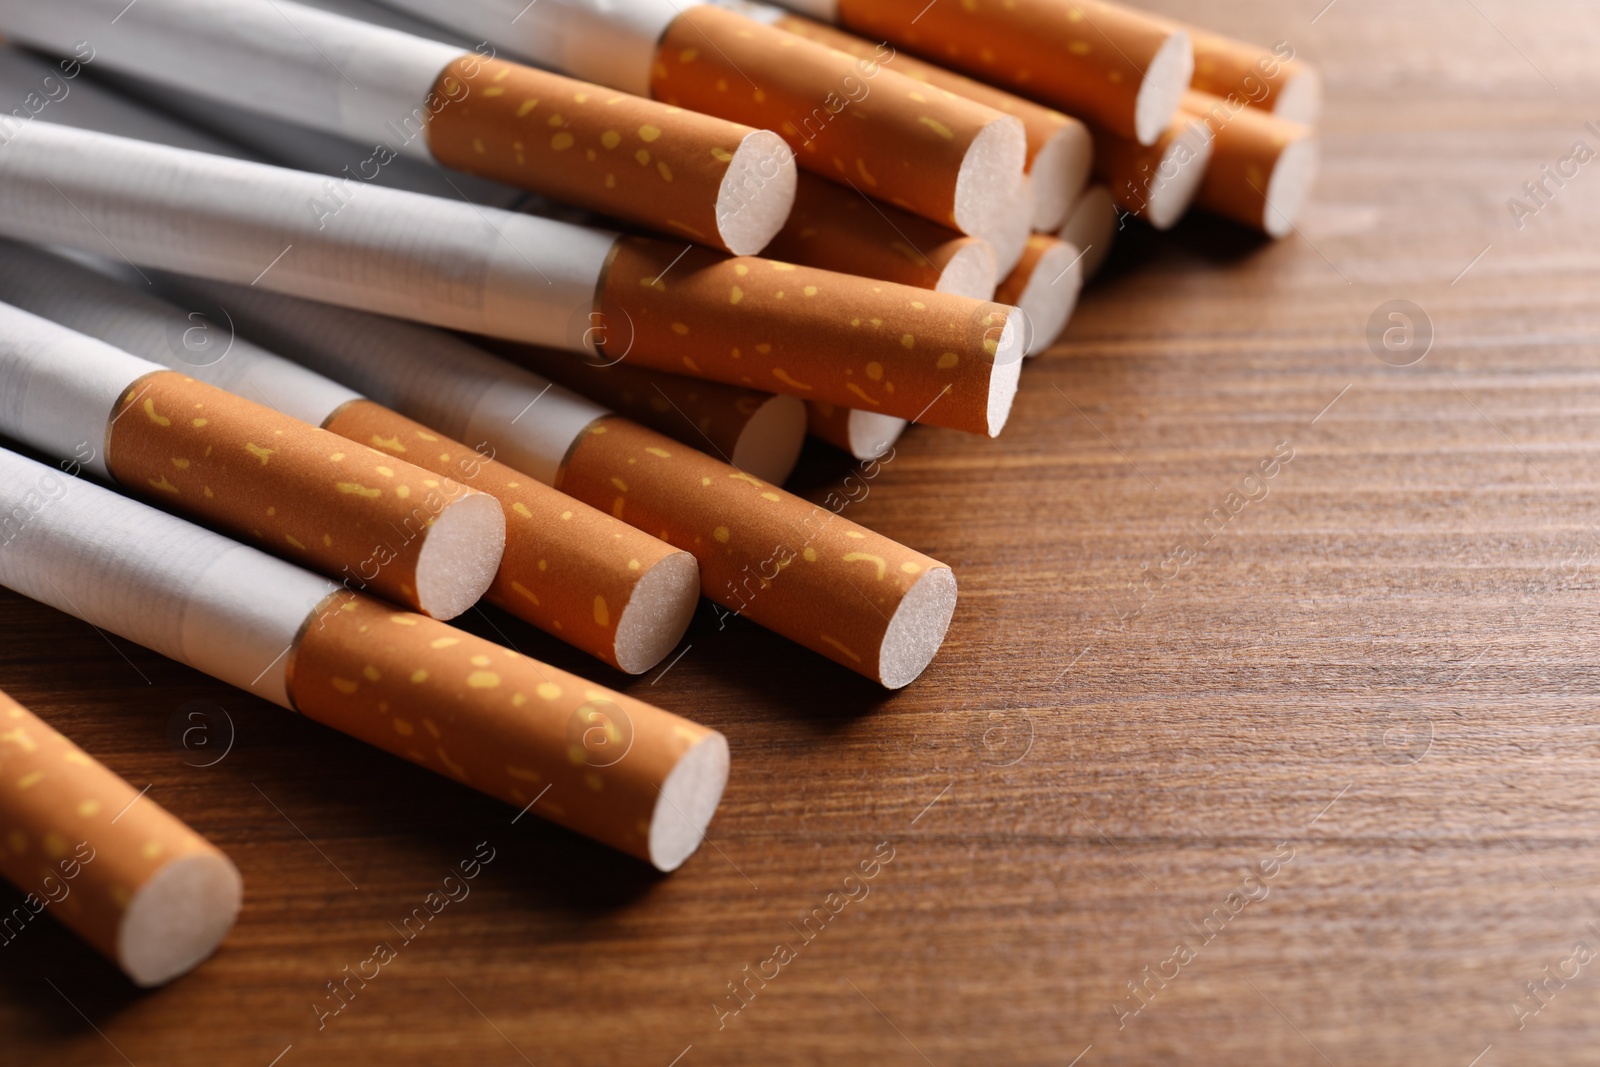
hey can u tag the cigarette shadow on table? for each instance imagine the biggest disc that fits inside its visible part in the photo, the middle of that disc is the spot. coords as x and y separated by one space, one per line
1206 238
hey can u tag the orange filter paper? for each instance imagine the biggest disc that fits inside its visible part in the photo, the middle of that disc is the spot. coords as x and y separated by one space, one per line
849 120
796 568
1247 144
1083 56
567 568
584 756
303 493
839 229
814 334
1039 122
586 145
78 839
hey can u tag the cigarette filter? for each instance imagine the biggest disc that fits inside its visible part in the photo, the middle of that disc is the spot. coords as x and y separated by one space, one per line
574 572
751 430
1261 168
1156 181
1112 66
842 230
110 863
733 320
1045 286
514 276
1269 79
1059 146
939 157
705 178
877 607
345 510
1092 227
860 433
623 772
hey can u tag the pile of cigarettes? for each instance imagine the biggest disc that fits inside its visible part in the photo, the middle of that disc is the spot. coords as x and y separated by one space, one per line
320 322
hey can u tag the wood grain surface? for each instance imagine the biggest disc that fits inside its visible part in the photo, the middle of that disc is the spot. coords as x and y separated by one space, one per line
1374 686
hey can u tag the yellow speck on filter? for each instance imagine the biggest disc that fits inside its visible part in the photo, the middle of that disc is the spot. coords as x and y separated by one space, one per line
681 329
855 535
523 590
521 509
740 269
432 728
55 845
577 755
875 371
401 620
162 484
181 463
721 534
643 157
948 360
621 486
705 481
936 126
781 268
388 444
151 849
862 393
403 728
480 661
602 615
444 642
841 647
648 133
633 565
770 496
358 490
419 676
556 120
611 138
120 896
611 181
561 141
336 456
345 685
200 423
294 543
863 557
525 107
919 305
477 146
403 492
548 691
784 377
735 295
150 413
27 781
722 155
664 170
88 809
809 554
263 454
907 341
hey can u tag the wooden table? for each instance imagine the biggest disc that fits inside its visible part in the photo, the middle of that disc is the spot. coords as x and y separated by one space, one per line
1374 686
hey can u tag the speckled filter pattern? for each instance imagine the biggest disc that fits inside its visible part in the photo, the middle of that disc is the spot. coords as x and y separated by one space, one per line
567 568
849 120
814 334
585 757
57 806
799 569
334 506
585 145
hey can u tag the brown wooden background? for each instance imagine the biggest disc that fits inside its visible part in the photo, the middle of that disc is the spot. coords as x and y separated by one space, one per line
1388 665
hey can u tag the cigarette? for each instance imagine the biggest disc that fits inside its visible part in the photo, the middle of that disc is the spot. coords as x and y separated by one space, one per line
801 570
863 434
1059 147
518 277
850 121
130 879
1262 167
625 773
754 431
1112 66
815 334
293 489
1092 227
1157 181
837 229
1262 77
594 582
690 175
1045 286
